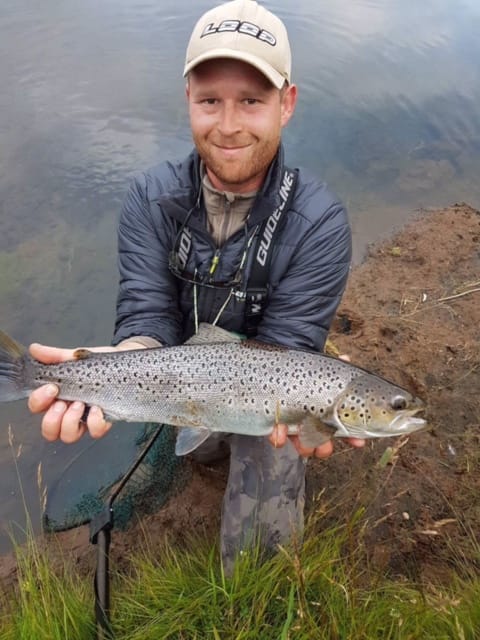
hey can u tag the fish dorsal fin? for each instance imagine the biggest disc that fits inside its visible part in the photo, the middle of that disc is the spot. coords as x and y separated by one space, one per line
189 438
313 432
210 334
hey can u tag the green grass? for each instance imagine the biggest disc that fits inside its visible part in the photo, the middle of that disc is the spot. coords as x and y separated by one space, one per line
322 590
47 603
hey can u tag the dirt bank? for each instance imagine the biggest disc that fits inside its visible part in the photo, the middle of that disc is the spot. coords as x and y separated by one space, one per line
412 313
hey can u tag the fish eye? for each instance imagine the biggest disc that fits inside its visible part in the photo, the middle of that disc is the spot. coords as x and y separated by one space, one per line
399 402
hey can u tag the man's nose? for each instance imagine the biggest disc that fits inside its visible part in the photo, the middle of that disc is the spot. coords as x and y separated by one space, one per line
229 121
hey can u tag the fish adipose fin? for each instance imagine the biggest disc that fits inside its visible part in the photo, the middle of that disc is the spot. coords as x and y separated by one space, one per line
82 354
210 334
189 438
12 369
313 432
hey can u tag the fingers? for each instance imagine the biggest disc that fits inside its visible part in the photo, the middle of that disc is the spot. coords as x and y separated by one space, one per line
50 355
72 428
97 425
42 398
323 451
358 443
63 421
278 437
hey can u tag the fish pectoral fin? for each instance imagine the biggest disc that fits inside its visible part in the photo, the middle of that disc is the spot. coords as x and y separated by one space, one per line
313 432
189 438
211 334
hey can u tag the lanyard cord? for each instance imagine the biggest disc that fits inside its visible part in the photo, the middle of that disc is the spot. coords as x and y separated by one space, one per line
231 293
195 300
195 305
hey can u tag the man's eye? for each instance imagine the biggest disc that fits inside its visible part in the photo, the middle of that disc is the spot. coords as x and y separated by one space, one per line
251 100
209 101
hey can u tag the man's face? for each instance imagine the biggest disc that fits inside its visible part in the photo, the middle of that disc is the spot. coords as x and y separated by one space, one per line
236 117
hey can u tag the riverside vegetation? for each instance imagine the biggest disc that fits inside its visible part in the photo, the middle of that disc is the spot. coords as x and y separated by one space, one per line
326 589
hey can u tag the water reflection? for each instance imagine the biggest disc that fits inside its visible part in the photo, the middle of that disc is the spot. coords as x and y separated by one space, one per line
92 92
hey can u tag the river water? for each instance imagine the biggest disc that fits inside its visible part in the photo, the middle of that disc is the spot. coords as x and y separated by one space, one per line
92 91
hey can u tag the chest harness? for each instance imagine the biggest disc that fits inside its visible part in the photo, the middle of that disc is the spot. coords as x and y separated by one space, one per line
262 238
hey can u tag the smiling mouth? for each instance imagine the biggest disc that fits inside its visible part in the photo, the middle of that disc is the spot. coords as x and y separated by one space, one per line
223 148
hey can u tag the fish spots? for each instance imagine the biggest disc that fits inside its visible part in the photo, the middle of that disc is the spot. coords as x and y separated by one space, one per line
225 383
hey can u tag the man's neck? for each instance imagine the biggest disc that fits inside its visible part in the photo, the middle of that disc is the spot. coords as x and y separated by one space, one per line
250 186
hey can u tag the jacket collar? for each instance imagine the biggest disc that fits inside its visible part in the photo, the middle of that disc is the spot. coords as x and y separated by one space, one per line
186 200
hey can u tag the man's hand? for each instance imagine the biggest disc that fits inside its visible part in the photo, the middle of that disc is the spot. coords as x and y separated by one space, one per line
62 420
279 437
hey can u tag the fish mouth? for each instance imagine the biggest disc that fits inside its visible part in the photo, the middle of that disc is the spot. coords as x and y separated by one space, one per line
409 421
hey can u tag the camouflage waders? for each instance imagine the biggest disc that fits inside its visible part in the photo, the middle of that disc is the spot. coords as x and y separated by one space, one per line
264 499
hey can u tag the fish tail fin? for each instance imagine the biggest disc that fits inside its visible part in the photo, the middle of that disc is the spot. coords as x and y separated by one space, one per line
12 369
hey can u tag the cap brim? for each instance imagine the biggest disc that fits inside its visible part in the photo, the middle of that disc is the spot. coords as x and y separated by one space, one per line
266 69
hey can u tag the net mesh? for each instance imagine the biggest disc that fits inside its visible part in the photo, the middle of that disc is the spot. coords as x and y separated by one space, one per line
155 477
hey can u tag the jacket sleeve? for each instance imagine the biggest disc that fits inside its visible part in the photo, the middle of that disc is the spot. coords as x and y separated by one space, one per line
303 300
147 301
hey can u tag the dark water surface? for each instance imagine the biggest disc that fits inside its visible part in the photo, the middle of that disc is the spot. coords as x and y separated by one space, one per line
92 91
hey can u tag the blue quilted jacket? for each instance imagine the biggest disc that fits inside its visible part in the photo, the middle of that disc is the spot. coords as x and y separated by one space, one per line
308 272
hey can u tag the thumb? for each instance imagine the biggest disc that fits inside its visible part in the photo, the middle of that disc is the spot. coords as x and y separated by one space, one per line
50 355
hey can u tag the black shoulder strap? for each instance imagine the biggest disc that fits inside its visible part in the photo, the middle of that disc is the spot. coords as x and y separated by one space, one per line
257 287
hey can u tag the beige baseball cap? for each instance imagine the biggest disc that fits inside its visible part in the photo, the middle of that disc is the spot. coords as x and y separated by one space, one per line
243 30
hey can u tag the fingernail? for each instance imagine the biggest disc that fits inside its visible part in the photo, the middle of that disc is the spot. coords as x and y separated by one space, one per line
51 390
77 406
95 412
59 407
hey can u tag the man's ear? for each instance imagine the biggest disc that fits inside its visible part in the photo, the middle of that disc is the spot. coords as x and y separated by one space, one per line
289 101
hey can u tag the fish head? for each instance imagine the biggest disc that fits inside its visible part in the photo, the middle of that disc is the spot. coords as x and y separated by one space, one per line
371 407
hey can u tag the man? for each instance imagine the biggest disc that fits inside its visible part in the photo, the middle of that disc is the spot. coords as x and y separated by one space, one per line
189 236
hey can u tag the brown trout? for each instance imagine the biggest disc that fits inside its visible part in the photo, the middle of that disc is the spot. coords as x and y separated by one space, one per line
218 382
